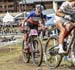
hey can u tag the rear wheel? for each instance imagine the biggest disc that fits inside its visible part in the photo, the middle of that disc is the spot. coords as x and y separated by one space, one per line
25 53
37 52
52 58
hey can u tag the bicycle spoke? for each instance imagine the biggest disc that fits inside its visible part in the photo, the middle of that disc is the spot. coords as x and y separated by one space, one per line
25 53
37 53
52 58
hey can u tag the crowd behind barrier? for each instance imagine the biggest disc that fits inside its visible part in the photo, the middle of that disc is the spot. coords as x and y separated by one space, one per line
9 30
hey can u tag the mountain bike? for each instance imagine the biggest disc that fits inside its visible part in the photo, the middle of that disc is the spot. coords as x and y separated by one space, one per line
34 50
51 55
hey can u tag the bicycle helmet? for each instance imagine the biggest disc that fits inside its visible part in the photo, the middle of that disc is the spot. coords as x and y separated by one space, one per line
39 6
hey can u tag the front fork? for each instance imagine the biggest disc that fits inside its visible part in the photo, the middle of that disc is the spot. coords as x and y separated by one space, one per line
71 42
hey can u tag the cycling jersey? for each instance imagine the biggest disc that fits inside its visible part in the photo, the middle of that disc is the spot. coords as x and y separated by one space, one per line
34 19
62 7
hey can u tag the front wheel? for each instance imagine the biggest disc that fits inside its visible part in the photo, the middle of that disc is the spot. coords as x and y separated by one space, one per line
26 55
73 52
52 58
37 52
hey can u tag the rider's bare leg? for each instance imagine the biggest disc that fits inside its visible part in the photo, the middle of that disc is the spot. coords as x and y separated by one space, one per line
62 30
67 26
67 29
61 35
26 36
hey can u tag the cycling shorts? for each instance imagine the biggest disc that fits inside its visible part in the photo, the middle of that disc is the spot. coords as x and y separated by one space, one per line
30 26
63 20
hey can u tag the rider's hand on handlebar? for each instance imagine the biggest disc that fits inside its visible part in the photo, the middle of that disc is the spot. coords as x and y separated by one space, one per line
68 17
44 27
22 27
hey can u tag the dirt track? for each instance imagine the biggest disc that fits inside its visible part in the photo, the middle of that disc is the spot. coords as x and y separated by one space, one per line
18 64
11 59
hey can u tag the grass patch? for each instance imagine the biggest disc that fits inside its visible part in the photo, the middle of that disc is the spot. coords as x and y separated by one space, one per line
9 52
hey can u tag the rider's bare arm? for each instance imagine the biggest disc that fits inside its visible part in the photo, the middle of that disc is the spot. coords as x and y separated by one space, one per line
23 22
43 21
60 13
42 24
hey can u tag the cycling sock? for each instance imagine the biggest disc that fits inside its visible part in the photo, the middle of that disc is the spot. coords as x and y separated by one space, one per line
60 46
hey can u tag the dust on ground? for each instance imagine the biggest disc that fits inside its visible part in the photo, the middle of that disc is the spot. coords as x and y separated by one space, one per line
11 59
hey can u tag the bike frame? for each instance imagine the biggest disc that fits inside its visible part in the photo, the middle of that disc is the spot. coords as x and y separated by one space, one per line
68 32
33 34
73 37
